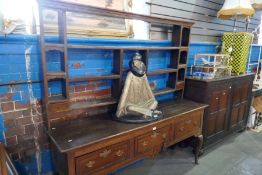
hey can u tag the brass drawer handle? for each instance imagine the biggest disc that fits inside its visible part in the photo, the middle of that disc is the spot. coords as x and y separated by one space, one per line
90 164
105 153
154 135
119 153
224 93
164 135
181 129
188 122
217 98
145 143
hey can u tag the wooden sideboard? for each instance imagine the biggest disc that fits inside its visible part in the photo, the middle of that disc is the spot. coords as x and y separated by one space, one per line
229 101
99 145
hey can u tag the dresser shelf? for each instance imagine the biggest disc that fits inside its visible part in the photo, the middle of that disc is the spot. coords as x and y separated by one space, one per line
175 70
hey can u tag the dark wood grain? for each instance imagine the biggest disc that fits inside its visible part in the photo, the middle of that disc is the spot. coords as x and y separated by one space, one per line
100 145
89 130
94 77
229 100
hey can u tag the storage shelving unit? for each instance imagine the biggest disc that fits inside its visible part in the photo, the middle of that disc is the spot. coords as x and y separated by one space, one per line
61 103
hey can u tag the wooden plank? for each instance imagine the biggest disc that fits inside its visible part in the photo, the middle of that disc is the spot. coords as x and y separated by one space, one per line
161 71
164 91
55 75
95 77
93 104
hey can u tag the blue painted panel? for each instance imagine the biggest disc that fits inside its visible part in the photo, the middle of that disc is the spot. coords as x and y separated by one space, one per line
47 166
158 60
92 62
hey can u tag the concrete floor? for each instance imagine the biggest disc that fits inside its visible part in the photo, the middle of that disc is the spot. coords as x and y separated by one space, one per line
240 154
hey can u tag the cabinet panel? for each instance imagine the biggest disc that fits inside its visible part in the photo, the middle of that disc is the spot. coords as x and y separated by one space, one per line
234 115
211 124
236 94
240 92
239 113
242 112
223 101
221 121
214 101
244 91
216 122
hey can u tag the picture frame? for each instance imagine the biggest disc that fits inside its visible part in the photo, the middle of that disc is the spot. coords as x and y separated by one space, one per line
92 25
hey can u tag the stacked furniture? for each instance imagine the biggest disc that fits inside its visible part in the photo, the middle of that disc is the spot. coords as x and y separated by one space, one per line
229 101
97 144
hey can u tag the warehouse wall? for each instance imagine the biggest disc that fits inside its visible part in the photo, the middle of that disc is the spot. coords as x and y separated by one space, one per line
207 27
21 116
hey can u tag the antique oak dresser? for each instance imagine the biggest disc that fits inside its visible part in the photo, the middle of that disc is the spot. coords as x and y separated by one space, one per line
95 144
99 145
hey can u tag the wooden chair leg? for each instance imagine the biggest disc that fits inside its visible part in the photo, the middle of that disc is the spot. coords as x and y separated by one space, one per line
198 146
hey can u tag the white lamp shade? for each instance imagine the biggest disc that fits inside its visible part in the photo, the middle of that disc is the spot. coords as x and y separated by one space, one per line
232 8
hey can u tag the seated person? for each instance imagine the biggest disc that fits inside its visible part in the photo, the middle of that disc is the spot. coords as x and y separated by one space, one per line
137 103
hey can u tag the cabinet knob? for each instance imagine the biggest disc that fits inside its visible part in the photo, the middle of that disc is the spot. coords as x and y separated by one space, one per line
181 129
119 153
188 122
230 87
164 135
105 153
217 98
224 93
195 123
154 135
145 143
90 164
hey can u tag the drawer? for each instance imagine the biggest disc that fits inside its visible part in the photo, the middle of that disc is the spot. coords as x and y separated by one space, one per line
102 158
147 142
191 123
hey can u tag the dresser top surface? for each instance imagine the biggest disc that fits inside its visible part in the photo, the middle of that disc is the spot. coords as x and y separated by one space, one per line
224 78
77 133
